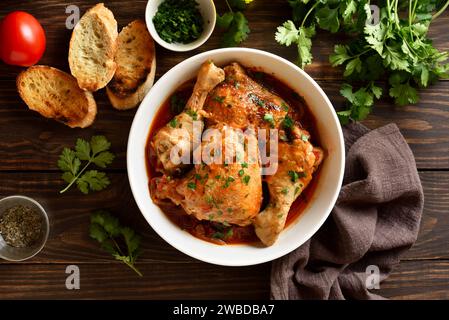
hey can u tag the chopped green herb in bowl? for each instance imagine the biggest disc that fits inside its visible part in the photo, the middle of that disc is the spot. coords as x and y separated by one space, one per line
180 25
178 21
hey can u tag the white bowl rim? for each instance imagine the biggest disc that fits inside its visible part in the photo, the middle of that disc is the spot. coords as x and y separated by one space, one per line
289 247
179 47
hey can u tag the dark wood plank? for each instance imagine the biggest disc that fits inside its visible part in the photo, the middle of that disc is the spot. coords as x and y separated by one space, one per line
434 232
69 214
417 280
409 280
115 281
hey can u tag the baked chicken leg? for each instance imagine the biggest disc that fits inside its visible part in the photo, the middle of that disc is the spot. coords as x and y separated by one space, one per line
296 163
179 131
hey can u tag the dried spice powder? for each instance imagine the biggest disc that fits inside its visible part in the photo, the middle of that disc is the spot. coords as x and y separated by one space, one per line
21 226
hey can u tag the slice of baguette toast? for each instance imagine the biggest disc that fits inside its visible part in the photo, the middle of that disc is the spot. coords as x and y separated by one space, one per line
92 48
56 94
136 67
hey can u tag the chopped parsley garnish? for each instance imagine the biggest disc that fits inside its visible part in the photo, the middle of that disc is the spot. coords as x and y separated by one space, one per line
210 200
219 99
255 99
228 181
191 185
284 106
268 117
173 123
241 172
284 191
178 21
218 235
244 165
192 114
294 176
288 122
246 179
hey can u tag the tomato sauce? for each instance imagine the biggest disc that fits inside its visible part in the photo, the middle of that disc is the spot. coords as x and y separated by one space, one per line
215 232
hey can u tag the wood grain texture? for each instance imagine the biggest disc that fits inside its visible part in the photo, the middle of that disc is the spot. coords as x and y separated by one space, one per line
30 146
432 275
69 215
113 281
25 133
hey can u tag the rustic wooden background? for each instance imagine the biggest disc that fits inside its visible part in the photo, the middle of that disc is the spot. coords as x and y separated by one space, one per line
30 145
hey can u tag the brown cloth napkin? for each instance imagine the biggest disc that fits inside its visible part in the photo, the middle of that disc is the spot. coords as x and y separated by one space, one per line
376 218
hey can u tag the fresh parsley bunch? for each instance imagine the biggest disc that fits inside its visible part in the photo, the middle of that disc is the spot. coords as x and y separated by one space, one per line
234 23
93 152
106 229
396 47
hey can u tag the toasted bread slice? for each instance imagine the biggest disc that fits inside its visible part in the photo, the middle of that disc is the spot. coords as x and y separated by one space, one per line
92 48
56 94
136 66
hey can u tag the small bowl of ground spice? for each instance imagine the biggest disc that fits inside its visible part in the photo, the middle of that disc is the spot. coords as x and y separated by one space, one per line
24 228
180 25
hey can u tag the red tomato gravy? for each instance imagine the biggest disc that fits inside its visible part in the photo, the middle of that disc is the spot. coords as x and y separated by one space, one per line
211 231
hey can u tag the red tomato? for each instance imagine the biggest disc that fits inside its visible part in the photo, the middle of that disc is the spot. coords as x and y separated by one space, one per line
22 39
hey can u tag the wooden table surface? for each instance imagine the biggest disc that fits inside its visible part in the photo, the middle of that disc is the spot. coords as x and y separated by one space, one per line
30 146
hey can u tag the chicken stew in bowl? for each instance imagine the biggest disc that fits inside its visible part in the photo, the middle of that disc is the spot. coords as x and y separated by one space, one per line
246 197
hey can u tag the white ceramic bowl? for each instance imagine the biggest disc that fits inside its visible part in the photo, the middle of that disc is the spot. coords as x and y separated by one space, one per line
328 185
207 10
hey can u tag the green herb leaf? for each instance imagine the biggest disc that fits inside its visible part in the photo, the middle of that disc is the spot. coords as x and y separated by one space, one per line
396 46
191 185
106 229
328 19
103 159
94 152
82 148
99 144
237 32
178 21
92 180
69 162
224 21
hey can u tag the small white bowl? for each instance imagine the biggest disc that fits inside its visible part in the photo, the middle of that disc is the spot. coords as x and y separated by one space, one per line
329 180
207 10
20 254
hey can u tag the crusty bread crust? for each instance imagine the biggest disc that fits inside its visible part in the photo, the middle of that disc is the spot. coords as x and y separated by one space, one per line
136 67
92 49
56 95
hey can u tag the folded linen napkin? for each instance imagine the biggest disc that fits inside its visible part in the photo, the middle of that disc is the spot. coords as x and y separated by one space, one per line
376 218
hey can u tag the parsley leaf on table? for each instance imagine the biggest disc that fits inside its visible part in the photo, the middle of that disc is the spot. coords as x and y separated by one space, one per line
94 152
106 229
396 47
234 23
288 34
